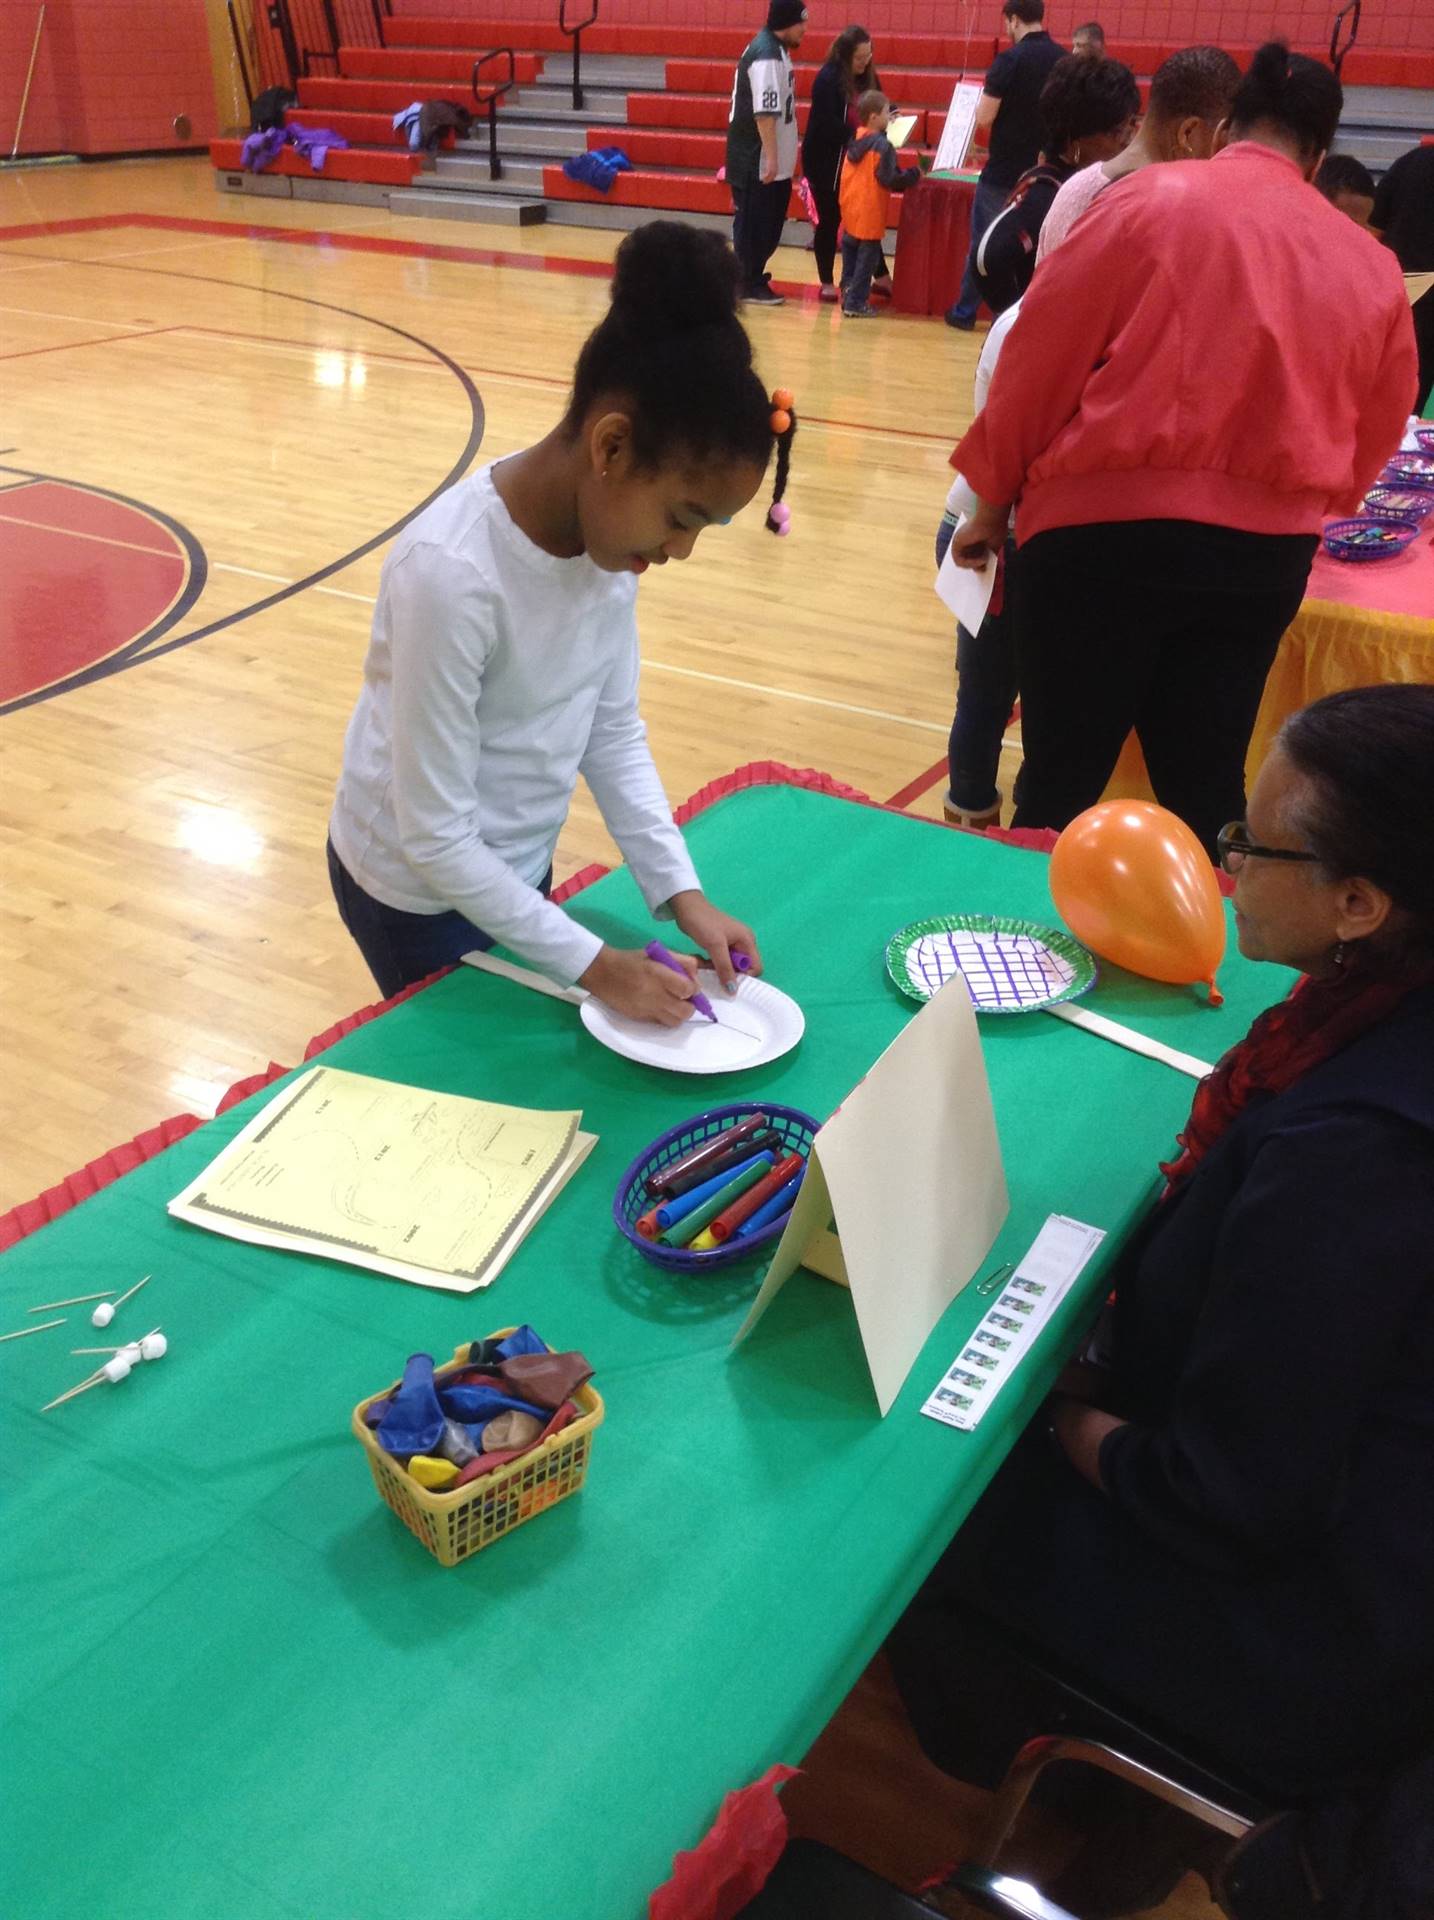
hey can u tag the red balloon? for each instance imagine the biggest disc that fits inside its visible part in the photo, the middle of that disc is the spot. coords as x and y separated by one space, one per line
1133 883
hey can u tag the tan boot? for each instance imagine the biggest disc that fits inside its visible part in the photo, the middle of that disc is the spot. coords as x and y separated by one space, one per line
974 822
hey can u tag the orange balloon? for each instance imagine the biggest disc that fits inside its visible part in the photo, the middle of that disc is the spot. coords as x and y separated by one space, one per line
1133 883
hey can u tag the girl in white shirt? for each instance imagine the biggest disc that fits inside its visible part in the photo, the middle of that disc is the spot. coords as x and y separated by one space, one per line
504 657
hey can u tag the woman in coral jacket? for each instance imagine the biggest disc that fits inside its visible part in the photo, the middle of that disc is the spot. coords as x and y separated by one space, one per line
1215 362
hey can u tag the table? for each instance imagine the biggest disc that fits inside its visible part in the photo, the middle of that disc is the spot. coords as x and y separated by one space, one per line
932 243
235 1686
1361 624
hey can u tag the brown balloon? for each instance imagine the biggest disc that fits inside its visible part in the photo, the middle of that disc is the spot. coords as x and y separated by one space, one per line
1133 883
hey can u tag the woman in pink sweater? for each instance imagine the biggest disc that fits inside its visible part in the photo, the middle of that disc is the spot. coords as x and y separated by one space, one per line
1214 362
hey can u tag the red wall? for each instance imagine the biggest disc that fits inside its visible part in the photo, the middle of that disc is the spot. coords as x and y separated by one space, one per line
110 77
1305 23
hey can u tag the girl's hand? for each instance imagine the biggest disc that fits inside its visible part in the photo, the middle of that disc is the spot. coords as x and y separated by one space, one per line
624 979
983 535
717 934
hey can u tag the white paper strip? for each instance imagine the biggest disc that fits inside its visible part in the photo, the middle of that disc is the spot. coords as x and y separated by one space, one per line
524 977
1080 1016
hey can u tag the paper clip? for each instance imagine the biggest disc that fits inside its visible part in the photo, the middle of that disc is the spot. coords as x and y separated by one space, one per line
997 1278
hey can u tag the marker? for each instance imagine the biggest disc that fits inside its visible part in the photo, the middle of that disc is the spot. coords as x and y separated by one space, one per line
673 1212
705 1151
731 1218
727 1162
687 1230
773 1209
704 1243
656 951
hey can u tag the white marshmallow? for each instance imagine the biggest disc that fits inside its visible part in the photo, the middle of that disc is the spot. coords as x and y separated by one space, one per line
102 1314
118 1368
154 1346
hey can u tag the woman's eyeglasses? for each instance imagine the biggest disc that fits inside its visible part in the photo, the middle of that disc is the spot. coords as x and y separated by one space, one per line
1235 847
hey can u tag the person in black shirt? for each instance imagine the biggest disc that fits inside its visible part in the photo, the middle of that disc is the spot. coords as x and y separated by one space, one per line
1404 216
1009 107
849 71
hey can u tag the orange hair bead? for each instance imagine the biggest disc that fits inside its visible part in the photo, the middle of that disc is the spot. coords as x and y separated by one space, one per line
784 399
781 420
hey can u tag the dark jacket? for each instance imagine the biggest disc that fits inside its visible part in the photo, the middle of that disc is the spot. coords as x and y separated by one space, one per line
828 131
1275 1345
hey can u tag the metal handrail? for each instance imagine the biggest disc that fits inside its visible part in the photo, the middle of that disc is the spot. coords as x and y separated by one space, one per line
239 56
489 98
279 17
1336 51
575 34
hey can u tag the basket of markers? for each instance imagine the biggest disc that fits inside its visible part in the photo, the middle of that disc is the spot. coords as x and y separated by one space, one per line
466 1452
1399 503
1368 538
716 1188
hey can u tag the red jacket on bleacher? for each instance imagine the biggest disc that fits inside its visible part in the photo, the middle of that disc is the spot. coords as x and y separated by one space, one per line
1213 342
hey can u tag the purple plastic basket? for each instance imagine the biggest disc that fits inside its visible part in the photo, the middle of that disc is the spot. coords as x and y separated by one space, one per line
1399 503
1409 470
1366 538
631 1199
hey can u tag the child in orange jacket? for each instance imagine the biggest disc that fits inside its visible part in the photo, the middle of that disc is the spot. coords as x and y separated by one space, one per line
869 177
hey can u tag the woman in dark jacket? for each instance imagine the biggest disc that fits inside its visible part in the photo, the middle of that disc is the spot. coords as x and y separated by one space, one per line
849 72
1231 1530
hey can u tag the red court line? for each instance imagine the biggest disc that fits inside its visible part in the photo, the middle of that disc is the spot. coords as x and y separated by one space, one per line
923 782
315 237
407 249
65 346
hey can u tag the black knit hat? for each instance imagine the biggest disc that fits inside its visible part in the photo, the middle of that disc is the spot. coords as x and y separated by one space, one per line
783 14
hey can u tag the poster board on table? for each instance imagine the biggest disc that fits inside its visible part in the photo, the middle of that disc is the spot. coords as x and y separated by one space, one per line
904 1191
960 128
1417 285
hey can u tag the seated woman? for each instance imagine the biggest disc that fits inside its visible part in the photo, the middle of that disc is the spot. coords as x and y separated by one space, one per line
1230 1532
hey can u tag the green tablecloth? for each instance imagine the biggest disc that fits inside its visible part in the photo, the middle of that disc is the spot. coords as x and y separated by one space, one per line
234 1687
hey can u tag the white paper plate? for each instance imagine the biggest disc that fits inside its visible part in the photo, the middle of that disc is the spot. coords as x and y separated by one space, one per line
756 1024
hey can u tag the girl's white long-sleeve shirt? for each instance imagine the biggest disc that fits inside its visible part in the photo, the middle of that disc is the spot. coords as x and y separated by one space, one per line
496 674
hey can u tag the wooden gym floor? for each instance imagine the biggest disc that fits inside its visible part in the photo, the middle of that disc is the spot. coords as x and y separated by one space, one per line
214 411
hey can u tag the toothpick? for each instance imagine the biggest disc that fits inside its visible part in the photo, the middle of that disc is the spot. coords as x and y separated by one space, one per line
120 1349
40 1329
78 1301
84 1387
134 1289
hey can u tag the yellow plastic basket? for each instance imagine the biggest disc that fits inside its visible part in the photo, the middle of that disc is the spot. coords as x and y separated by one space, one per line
454 1525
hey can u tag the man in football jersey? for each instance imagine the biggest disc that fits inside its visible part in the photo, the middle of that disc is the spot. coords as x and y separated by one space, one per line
762 146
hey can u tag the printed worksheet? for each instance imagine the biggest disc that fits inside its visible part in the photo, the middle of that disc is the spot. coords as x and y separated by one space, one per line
429 1187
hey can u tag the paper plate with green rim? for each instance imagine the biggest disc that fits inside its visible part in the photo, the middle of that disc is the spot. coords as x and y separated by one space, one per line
1010 966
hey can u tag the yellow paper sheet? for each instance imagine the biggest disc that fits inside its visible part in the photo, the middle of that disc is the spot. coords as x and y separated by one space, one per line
429 1187
1416 285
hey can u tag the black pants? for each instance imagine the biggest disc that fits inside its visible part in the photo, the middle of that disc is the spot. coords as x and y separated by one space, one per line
400 947
824 245
1165 626
760 212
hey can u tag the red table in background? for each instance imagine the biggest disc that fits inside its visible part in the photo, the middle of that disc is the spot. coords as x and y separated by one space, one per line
935 237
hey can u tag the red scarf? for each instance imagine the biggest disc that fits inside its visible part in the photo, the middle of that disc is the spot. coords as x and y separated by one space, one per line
1319 1018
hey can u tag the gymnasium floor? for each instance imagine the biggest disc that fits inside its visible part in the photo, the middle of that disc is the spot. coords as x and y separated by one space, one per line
214 413
272 406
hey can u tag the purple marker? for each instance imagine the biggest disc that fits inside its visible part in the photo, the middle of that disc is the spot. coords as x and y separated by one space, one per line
656 951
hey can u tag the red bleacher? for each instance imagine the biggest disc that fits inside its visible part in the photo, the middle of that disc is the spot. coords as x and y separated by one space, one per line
379 169
673 134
